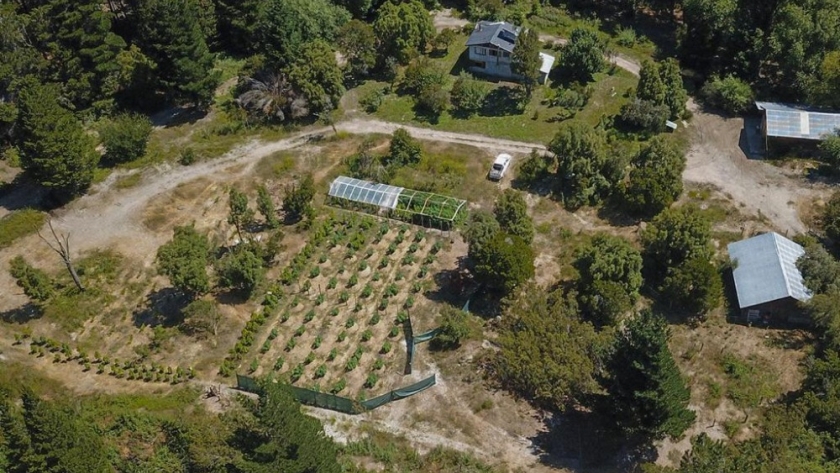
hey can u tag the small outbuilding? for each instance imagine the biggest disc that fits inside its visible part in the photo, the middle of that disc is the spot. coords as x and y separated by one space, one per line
768 283
784 123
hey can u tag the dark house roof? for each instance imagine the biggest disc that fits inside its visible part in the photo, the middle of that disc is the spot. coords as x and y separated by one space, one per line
765 270
497 33
791 121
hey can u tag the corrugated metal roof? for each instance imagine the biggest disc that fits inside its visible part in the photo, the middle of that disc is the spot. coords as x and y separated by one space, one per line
791 121
498 33
765 269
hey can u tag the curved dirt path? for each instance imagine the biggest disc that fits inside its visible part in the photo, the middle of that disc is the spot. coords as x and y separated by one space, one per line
443 19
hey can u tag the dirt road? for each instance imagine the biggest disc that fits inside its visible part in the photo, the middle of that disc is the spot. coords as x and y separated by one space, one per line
444 19
755 186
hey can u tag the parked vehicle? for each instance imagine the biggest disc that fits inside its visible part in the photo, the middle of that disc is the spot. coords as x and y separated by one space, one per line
500 166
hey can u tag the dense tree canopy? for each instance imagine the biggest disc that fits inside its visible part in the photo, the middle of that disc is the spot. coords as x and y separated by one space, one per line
583 163
54 148
511 212
583 56
675 236
285 26
171 35
403 150
403 29
125 137
547 353
504 262
357 42
184 261
468 95
317 75
610 272
298 200
647 395
655 179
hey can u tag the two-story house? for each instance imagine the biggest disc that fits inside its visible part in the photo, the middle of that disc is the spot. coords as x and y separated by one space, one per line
490 46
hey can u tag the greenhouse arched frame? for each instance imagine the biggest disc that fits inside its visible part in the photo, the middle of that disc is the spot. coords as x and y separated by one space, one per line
422 208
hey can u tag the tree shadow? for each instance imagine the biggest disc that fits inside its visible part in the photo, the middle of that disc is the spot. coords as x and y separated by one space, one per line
463 64
503 101
616 216
23 193
452 286
581 440
162 307
177 116
22 314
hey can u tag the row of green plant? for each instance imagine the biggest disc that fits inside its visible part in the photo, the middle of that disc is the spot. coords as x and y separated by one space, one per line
62 352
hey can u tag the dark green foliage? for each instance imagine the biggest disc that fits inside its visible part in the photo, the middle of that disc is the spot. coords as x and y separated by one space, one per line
240 216
236 24
647 395
18 59
820 271
283 438
535 167
266 207
675 236
241 269
76 38
830 154
316 74
433 100
34 282
583 56
610 278
525 60
125 137
357 43
184 261
822 399
298 200
443 40
403 29
454 328
511 212
582 163
285 26
404 150
504 262
729 94
651 88
46 437
468 95
695 286
675 94
54 149
422 74
481 228
201 317
171 35
547 352
655 179
644 115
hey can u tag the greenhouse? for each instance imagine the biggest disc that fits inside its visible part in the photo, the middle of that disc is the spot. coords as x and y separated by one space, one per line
422 208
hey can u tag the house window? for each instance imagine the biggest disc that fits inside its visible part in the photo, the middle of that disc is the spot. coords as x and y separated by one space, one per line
481 51
493 52
505 54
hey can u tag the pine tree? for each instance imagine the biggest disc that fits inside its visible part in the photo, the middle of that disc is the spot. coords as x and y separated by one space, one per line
54 148
511 212
525 59
651 87
240 215
76 37
646 393
170 33
236 23
184 261
675 94
266 207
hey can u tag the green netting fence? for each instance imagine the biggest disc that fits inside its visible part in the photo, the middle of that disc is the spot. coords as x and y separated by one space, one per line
338 403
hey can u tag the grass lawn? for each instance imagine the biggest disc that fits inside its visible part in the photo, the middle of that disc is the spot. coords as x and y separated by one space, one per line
19 224
531 125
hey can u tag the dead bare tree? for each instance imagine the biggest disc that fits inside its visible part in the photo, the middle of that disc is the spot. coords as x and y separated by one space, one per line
62 248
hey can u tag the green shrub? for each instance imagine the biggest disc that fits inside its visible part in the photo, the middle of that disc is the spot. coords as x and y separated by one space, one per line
290 345
332 355
300 331
343 297
321 371
125 137
309 358
730 94
351 364
402 317
371 380
350 322
297 372
320 299
339 386
265 347
317 343
254 366
333 312
278 365
367 335
366 291
20 223
315 271
375 319
342 336
354 279
309 316
333 283
386 347
378 364
376 277
409 302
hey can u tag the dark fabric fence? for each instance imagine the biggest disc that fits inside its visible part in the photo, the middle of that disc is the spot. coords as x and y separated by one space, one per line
338 403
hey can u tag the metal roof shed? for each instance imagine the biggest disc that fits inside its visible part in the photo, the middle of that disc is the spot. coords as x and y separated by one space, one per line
765 270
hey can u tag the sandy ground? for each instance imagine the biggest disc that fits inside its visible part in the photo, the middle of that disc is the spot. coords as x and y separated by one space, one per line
756 186
443 19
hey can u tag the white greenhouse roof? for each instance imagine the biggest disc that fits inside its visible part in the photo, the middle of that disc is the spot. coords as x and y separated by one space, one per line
765 270
365 192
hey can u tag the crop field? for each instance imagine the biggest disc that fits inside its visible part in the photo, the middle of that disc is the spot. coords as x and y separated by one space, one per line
334 319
